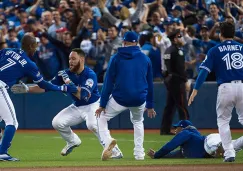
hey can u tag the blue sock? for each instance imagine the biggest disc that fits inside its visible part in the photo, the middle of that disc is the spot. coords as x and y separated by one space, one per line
7 138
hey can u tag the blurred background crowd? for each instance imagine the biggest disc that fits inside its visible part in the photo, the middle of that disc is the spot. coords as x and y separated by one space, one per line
97 27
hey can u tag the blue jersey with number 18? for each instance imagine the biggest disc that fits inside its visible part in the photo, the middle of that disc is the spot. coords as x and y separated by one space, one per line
226 60
14 64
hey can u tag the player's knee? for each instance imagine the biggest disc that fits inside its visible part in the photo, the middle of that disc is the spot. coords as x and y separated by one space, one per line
92 127
56 124
14 123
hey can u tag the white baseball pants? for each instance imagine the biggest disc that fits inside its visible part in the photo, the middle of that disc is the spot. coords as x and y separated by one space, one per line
136 116
7 112
213 141
230 95
73 115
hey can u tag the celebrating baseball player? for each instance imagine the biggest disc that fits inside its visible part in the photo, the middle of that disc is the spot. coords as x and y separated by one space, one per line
192 144
226 60
15 64
85 102
128 85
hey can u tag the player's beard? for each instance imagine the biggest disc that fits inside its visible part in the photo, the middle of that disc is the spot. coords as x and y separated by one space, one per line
75 68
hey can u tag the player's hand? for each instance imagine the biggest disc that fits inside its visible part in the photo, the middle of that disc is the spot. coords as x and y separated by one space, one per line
193 95
20 88
151 153
69 88
151 113
64 76
99 111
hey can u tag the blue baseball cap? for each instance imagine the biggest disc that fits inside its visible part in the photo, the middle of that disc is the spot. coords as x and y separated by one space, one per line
183 124
130 36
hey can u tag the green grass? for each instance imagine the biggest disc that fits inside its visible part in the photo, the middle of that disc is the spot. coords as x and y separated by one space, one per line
43 150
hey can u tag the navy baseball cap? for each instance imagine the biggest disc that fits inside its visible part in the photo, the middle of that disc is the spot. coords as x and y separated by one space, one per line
130 36
183 124
177 7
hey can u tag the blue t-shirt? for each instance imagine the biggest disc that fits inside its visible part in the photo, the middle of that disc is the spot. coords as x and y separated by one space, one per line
87 80
226 60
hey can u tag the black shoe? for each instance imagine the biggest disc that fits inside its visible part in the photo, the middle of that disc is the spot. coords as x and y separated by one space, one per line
230 159
167 133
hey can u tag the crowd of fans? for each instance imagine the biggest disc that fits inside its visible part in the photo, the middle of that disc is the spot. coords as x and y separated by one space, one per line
97 27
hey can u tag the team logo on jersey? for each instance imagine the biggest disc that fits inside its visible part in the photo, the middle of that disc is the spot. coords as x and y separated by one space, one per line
166 56
180 52
38 74
89 83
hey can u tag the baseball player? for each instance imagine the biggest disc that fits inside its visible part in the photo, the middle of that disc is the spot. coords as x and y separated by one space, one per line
192 144
213 145
15 64
226 60
85 102
128 85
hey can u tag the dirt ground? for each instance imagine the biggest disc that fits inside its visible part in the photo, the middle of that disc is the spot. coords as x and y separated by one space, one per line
223 167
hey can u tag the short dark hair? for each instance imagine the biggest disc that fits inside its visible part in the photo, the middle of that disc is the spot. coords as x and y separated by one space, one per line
227 29
213 3
79 51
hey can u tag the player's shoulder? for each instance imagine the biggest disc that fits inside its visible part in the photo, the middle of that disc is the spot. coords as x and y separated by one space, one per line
89 71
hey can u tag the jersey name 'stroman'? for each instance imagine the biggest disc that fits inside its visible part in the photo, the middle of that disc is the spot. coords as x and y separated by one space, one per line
16 56
230 48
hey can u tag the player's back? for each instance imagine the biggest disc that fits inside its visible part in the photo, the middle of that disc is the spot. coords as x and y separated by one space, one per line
227 61
12 63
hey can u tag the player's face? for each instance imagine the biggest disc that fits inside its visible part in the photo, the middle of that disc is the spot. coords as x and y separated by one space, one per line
74 62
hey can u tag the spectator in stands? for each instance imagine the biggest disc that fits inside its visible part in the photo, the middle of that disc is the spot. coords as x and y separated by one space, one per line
46 18
150 49
214 16
12 40
57 24
47 59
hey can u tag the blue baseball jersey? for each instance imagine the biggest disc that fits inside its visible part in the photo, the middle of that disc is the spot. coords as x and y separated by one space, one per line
226 60
14 65
87 80
189 140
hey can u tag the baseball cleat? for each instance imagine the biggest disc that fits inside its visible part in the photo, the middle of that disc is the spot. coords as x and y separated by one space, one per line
69 148
139 157
116 153
7 157
230 159
107 152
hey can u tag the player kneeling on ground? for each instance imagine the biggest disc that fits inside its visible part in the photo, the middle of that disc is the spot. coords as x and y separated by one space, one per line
192 144
85 102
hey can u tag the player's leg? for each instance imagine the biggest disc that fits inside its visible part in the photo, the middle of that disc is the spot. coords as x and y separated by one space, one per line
69 116
92 125
112 109
225 104
168 114
9 116
136 116
179 95
238 144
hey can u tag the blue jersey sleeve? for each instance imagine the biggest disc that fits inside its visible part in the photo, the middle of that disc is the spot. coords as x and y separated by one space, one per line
88 87
108 83
33 72
150 95
177 141
207 64
57 80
